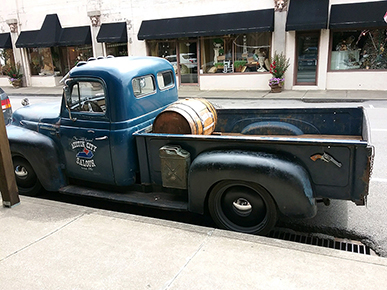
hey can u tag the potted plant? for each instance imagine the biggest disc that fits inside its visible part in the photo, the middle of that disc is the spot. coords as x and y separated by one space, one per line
239 64
219 65
14 75
278 68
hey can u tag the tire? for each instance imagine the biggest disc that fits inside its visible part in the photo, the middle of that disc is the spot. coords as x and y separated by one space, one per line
242 207
26 179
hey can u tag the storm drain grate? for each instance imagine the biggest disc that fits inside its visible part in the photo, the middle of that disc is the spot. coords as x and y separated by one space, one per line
333 243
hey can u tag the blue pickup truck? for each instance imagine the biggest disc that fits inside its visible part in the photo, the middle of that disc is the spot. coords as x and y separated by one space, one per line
255 165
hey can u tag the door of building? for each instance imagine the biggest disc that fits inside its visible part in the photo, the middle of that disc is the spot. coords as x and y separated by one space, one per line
188 62
307 58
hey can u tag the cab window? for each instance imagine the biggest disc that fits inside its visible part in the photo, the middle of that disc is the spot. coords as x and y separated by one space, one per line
143 86
87 96
165 80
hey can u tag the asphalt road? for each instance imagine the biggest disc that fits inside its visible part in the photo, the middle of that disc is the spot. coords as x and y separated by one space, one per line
367 224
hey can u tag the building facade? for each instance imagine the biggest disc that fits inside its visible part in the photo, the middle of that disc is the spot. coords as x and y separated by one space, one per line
215 45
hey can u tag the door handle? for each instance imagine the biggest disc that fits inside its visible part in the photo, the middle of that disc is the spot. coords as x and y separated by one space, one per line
101 138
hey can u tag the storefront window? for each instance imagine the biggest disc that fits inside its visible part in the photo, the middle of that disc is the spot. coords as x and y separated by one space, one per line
56 61
220 54
6 59
359 49
164 49
71 55
236 53
117 49
41 61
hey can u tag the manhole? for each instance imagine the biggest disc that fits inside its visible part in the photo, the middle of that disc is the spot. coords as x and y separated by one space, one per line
321 241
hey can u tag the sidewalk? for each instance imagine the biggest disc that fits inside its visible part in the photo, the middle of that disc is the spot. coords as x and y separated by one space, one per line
52 245
194 92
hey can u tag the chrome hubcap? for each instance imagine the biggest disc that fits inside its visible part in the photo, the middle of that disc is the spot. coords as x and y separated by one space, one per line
242 206
21 171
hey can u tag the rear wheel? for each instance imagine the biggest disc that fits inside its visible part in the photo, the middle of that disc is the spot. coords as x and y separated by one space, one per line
26 179
243 207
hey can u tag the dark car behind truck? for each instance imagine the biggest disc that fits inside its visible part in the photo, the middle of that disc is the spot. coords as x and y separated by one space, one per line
254 165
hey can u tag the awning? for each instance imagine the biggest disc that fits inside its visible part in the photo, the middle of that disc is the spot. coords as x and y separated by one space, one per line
50 32
358 15
75 36
208 25
27 39
307 15
113 32
5 40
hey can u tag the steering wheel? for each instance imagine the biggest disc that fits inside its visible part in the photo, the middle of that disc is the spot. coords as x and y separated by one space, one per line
91 106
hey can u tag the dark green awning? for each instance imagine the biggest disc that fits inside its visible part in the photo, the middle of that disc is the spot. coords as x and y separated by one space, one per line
5 40
73 36
358 15
307 15
208 25
113 32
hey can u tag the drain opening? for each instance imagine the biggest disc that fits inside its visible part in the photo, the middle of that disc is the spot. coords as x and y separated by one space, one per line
331 242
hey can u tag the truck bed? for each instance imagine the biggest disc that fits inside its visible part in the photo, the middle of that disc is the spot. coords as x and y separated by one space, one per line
295 134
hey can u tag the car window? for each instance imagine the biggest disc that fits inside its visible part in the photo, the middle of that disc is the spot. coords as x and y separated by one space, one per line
165 80
171 58
144 85
87 96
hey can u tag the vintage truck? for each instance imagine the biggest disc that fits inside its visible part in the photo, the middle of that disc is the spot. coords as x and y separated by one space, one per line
256 165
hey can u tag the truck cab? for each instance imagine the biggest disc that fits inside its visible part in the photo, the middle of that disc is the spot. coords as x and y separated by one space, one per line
104 102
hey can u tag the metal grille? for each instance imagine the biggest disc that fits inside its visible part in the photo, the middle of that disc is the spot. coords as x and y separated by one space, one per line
331 242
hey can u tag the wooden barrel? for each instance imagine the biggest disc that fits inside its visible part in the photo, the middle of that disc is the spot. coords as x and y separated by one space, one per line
188 116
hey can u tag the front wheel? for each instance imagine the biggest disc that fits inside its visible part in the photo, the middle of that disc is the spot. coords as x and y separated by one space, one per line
26 179
242 207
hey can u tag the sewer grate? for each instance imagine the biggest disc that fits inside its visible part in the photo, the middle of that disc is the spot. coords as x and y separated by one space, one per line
327 242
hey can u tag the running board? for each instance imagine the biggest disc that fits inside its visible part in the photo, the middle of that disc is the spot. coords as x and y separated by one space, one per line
162 200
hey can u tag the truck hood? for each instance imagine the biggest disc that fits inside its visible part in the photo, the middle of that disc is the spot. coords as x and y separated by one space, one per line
36 113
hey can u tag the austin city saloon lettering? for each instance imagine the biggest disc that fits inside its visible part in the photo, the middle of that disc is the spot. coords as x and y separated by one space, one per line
84 158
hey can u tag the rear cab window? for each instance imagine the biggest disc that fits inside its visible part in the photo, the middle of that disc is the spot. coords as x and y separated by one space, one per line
165 80
143 86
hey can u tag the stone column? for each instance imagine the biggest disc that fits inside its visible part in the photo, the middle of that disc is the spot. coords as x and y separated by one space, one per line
280 13
95 18
19 54
130 35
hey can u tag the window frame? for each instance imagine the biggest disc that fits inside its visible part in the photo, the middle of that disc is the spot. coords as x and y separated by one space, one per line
147 93
173 83
82 114
348 69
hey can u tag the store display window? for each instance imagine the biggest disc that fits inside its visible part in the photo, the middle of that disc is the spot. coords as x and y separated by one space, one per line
56 61
117 49
359 49
6 59
236 53
41 61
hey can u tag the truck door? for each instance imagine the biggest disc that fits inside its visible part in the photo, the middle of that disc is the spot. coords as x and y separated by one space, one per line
85 132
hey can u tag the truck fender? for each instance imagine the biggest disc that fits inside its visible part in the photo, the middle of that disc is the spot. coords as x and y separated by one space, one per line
287 181
42 154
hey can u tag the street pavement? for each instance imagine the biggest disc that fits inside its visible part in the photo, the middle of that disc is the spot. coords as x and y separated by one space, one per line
54 245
